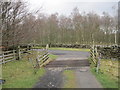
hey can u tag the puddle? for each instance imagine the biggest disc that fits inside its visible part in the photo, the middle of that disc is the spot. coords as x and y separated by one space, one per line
84 69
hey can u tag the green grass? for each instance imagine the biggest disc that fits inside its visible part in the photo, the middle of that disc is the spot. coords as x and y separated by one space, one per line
71 49
51 56
37 47
106 80
20 74
69 79
110 67
108 73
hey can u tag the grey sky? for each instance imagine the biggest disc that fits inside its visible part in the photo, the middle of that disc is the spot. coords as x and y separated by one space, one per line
66 6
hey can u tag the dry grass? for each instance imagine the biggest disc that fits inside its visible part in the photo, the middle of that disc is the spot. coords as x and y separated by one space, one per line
108 74
110 67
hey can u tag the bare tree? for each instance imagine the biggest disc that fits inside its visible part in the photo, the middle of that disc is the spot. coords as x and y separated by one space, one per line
12 14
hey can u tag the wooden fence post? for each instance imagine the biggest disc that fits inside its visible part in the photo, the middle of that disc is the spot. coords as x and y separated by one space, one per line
98 60
28 47
18 53
47 46
14 54
93 53
37 63
3 60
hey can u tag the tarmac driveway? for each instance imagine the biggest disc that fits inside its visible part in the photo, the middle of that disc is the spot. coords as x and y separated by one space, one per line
69 55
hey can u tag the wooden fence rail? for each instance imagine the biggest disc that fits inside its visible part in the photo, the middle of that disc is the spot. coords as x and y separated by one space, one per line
40 59
7 56
95 57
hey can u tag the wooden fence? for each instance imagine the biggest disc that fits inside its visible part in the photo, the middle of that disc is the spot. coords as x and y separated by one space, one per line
102 64
7 56
40 59
95 57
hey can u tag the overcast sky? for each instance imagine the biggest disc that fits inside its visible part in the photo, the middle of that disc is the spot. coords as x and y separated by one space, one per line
66 6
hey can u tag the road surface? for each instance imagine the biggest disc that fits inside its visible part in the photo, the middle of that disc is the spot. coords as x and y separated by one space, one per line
72 60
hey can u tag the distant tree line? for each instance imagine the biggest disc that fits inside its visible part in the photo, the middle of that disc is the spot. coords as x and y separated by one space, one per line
19 26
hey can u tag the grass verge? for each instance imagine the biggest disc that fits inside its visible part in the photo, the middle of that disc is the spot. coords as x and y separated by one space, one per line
51 56
71 49
20 74
108 73
106 80
37 47
69 79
